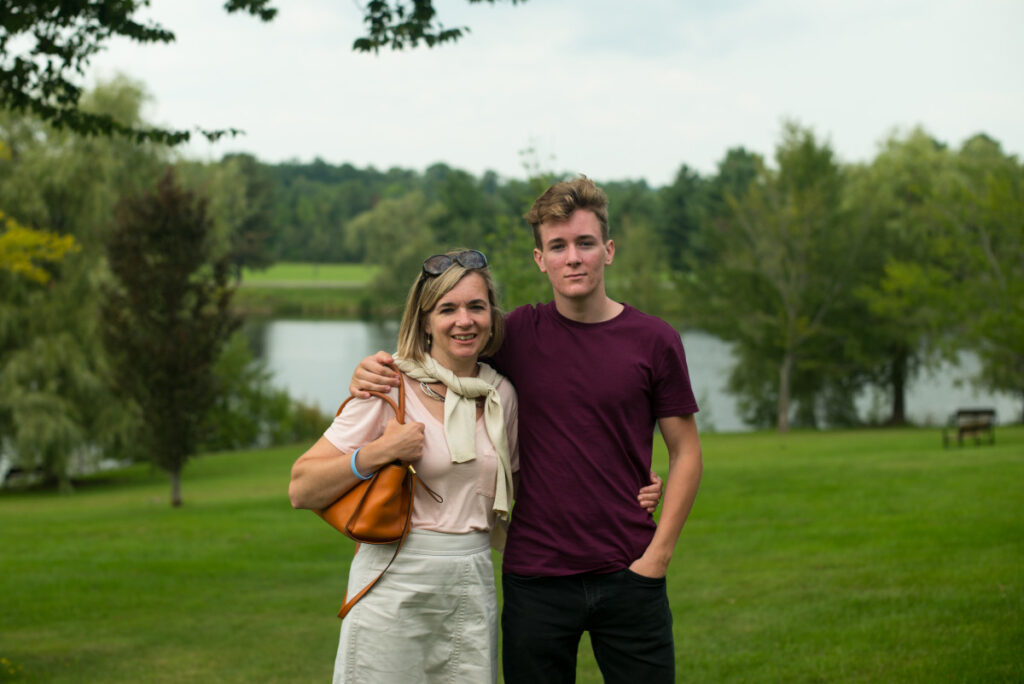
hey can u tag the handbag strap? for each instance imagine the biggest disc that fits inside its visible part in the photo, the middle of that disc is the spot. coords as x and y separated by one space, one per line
349 603
400 417
399 407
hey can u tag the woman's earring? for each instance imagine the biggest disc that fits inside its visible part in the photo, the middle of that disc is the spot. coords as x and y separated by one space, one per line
430 341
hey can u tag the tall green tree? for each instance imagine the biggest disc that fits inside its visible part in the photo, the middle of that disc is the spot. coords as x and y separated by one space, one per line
683 208
783 261
986 213
166 318
896 198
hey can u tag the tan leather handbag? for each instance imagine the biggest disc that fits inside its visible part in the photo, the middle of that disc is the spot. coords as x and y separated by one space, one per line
377 510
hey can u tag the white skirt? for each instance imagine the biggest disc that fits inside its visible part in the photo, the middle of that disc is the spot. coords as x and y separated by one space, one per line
432 617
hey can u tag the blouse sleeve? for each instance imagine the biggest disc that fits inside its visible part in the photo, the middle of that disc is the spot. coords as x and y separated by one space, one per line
361 422
510 403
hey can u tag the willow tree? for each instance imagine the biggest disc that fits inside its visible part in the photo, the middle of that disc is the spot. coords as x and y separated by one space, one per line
167 318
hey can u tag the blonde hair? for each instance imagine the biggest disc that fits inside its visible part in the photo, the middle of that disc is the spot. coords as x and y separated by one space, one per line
426 292
560 200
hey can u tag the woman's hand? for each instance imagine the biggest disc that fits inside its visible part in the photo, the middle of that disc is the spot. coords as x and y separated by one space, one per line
402 442
373 375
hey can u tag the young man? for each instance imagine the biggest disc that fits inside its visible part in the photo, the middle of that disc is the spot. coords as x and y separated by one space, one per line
593 375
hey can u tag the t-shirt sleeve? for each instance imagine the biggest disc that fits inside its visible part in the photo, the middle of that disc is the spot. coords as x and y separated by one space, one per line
361 422
673 394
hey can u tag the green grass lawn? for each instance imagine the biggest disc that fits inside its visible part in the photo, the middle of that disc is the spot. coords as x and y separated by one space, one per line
307 290
295 273
868 556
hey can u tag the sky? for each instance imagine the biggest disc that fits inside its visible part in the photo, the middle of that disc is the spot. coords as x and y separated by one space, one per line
616 90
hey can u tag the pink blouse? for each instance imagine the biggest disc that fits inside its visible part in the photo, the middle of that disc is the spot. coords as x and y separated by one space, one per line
466 488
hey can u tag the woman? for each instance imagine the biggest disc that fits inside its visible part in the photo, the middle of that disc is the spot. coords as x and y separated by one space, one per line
433 615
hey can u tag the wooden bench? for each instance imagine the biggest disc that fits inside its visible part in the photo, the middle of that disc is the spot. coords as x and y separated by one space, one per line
970 422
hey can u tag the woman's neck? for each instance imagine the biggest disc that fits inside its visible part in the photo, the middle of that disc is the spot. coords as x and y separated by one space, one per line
469 369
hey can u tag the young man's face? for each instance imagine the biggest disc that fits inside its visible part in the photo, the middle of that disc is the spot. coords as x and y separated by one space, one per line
574 256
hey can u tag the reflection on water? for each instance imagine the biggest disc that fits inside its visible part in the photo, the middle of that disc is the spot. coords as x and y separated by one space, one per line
314 360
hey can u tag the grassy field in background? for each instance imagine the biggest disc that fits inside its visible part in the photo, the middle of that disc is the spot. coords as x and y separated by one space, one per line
307 290
337 275
867 556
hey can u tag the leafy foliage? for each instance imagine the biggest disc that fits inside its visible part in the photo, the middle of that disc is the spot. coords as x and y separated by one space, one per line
786 259
248 411
62 36
24 251
398 24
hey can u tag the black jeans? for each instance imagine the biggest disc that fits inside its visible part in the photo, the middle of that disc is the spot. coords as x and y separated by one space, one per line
627 615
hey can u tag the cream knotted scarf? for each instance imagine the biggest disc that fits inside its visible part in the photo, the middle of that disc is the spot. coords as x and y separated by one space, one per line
460 418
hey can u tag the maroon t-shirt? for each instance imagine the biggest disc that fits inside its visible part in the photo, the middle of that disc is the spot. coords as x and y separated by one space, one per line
589 397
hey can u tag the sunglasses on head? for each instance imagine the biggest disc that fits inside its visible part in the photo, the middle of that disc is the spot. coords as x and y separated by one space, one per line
439 263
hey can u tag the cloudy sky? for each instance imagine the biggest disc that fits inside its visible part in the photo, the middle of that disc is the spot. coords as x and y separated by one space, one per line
614 89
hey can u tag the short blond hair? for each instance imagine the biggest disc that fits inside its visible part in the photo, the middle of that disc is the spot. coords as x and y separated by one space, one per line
426 292
560 200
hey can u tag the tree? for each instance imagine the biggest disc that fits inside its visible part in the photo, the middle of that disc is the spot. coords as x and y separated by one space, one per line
783 262
57 413
46 44
166 318
400 23
240 195
26 252
249 411
683 206
396 236
896 198
985 206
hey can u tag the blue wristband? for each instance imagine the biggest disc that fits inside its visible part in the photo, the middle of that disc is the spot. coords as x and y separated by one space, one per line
353 464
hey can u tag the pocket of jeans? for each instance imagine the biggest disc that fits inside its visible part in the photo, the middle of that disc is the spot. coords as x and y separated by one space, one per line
642 579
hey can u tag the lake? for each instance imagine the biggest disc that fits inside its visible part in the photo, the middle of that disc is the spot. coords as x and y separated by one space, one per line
314 360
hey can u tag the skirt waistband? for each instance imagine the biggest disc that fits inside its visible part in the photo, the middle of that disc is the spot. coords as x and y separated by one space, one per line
430 543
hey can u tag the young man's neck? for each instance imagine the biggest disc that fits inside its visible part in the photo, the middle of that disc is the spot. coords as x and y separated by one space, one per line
595 309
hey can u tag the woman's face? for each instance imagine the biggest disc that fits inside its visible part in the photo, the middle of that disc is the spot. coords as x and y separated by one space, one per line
460 324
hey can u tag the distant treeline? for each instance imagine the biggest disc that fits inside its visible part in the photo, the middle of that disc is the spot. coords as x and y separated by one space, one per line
827 278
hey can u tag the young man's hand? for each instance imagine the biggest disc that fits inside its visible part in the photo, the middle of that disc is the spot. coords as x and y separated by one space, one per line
373 375
650 495
650 567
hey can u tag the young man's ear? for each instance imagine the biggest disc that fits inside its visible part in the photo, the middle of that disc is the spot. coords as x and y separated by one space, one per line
538 256
609 248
